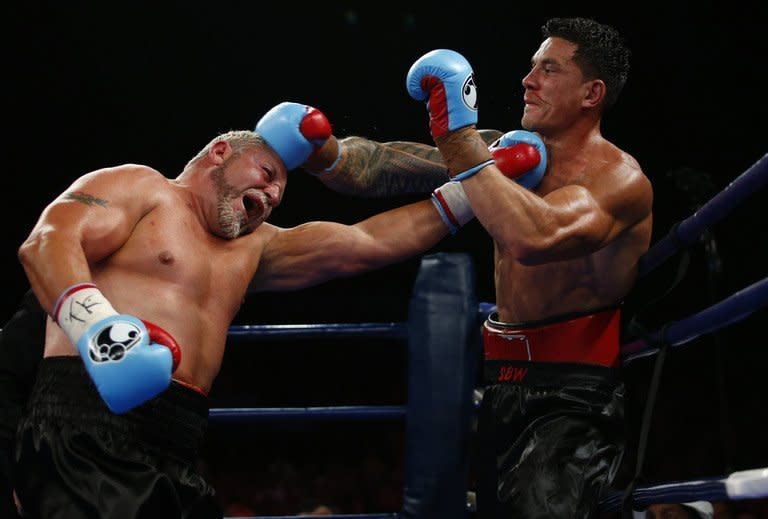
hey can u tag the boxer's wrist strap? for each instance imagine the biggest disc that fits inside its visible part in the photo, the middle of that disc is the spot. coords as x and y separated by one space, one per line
329 168
65 294
80 306
453 205
471 171
335 162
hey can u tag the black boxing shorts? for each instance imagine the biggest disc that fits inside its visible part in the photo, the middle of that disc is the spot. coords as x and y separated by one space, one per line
551 423
21 348
77 459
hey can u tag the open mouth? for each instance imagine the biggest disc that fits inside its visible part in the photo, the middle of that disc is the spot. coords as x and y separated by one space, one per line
254 204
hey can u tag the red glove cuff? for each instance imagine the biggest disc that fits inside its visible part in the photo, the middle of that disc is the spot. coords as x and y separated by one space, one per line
163 338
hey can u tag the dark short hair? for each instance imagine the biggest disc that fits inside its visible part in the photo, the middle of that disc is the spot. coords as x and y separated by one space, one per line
601 51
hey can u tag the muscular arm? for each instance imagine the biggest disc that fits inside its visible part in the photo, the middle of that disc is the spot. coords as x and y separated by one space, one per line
377 170
576 219
319 251
83 225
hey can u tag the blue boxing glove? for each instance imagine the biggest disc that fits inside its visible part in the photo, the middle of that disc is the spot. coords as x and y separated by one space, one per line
444 78
521 156
129 360
294 131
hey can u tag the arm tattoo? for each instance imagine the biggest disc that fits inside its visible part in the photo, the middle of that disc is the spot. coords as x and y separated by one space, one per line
376 170
490 136
85 198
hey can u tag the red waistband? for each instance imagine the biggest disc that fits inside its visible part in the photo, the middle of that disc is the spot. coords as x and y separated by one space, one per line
587 339
191 386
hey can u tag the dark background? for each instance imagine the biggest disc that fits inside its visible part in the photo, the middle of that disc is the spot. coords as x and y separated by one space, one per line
89 85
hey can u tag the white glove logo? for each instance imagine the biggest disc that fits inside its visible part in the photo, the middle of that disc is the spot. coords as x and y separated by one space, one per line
113 341
469 93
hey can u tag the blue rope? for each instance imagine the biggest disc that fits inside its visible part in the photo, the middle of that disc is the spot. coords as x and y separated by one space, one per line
728 311
261 414
719 206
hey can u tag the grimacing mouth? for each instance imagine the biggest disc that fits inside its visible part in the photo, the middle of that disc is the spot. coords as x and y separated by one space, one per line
254 203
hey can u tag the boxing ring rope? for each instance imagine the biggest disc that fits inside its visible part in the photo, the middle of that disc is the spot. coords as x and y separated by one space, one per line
690 229
731 309
746 484
271 332
267 414
728 311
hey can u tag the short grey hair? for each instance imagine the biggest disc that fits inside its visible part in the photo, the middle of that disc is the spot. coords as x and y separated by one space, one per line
239 140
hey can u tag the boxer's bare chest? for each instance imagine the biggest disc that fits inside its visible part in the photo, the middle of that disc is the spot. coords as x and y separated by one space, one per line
175 254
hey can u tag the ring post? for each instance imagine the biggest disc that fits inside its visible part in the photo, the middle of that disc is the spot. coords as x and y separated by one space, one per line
443 350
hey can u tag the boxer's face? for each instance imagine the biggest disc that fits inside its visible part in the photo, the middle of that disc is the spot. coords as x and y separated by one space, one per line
249 185
554 88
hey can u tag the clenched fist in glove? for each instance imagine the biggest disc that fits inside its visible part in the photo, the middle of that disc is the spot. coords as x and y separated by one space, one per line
129 360
444 79
294 131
